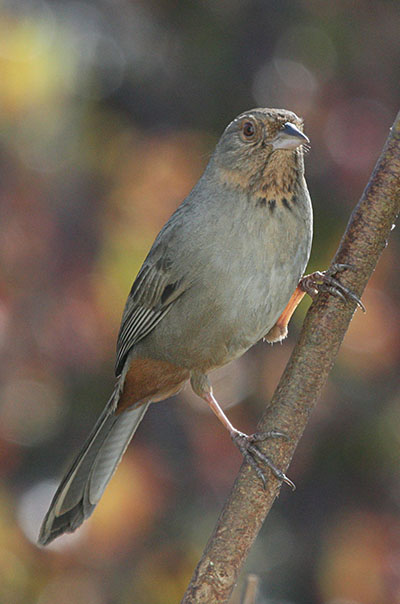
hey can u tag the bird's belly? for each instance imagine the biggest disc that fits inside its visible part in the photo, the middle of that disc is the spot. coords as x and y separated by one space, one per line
223 324
250 308
257 311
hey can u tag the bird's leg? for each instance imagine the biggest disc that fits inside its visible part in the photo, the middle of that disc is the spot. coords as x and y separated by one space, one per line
312 284
280 329
244 442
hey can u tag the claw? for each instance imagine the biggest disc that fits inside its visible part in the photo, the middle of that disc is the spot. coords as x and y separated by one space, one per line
251 453
335 290
339 267
260 436
325 282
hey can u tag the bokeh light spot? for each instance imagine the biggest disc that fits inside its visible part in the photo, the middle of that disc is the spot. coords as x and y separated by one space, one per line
355 130
284 82
31 509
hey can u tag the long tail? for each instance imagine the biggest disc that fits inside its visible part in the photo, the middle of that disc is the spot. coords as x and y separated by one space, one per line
83 485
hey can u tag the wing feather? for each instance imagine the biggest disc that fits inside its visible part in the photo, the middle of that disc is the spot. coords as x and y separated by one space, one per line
151 296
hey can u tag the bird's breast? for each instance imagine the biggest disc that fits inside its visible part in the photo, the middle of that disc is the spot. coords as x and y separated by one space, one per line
243 279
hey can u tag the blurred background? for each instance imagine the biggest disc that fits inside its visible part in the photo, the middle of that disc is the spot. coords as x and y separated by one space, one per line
109 110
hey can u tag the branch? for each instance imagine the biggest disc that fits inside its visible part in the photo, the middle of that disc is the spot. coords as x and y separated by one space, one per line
300 386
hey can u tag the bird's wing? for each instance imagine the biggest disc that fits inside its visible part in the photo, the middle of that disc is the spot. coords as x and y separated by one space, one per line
152 294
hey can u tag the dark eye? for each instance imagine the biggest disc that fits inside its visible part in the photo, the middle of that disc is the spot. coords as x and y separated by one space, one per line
249 129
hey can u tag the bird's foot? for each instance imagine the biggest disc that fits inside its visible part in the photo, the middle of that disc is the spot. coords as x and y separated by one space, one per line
324 281
251 453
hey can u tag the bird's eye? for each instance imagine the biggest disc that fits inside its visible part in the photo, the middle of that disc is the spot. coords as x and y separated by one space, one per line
248 130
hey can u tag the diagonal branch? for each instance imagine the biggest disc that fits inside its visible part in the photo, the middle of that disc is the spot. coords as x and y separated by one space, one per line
300 386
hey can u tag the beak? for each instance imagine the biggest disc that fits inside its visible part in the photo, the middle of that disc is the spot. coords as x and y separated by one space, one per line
289 137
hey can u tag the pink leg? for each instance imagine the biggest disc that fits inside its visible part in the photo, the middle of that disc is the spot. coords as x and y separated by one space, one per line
245 443
279 330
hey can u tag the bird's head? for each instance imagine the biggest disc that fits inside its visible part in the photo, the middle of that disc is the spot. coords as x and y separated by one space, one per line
260 141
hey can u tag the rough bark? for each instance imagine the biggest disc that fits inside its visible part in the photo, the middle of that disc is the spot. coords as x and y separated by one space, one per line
300 386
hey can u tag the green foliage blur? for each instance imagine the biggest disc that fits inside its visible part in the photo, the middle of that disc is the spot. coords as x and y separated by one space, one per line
108 113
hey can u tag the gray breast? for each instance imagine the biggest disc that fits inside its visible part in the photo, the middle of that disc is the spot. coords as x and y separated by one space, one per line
243 281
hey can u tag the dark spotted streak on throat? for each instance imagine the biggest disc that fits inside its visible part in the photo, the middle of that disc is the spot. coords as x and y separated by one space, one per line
286 202
273 184
278 183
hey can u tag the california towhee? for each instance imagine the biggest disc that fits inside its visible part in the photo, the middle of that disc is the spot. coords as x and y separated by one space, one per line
222 274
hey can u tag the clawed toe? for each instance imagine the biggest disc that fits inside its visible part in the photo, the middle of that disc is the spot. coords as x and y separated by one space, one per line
252 453
260 436
325 282
339 267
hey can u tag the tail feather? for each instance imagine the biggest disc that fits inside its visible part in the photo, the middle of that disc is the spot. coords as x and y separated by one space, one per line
86 480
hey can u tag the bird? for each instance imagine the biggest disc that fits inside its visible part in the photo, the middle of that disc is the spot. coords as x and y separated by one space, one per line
225 271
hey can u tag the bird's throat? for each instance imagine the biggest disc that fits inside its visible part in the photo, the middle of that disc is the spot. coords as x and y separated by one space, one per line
281 175
275 183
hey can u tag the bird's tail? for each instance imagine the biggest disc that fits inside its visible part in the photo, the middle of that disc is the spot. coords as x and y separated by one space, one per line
84 483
